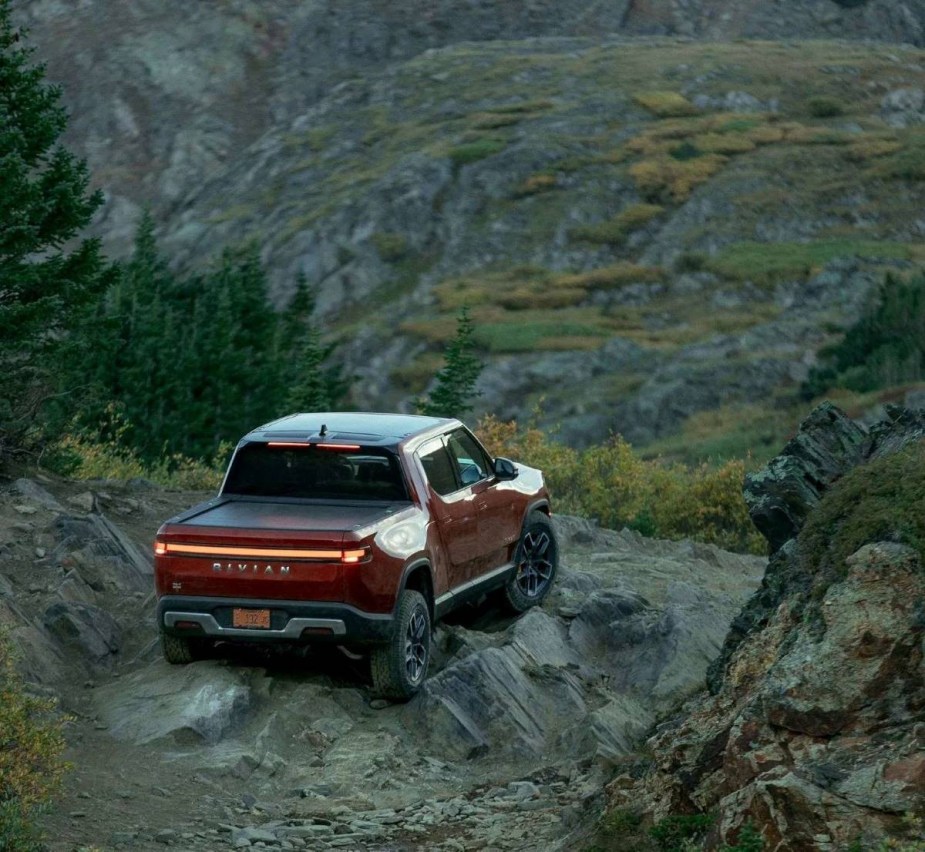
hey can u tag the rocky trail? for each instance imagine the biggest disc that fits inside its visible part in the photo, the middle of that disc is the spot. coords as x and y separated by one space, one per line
509 746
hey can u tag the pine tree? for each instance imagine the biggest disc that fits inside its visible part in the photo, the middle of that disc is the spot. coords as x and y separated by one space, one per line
44 204
310 385
454 387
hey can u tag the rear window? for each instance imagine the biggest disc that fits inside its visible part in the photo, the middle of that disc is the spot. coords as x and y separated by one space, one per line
309 472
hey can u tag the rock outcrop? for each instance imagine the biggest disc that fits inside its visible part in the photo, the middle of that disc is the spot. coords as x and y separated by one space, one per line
813 735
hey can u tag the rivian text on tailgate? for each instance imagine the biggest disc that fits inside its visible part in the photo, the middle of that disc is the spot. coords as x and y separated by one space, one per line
355 529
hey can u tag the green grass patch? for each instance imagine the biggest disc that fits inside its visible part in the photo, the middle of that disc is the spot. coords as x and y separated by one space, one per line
538 335
766 263
472 152
908 163
613 277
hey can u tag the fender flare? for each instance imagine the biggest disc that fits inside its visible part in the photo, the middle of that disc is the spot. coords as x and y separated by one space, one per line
541 504
411 566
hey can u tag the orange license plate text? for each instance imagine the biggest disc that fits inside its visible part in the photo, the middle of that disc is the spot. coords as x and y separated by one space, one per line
259 618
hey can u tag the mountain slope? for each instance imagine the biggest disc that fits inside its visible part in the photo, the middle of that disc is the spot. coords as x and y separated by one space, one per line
645 230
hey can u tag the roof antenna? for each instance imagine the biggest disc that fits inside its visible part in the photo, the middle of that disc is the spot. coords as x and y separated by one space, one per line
324 430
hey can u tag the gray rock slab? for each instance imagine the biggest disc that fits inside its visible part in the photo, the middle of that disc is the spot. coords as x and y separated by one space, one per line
196 703
89 630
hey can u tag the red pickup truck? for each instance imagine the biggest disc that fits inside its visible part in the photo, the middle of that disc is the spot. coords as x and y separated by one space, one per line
353 529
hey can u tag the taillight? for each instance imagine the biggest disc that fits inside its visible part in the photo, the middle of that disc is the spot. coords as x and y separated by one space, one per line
351 557
348 556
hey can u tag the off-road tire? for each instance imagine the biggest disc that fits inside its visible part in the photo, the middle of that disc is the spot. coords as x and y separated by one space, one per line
536 562
180 650
399 667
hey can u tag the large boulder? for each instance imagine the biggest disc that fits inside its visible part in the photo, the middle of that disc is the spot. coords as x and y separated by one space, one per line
782 494
197 704
812 732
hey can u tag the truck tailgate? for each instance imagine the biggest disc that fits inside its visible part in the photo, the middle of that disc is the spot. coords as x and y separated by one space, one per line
264 549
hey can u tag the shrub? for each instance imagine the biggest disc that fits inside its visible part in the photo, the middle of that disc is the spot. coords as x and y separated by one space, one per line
822 106
535 184
391 247
691 261
665 104
613 485
724 143
665 179
906 164
678 831
619 821
869 148
613 277
31 745
881 500
541 297
749 840
493 120
766 134
614 231
685 151
609 232
84 458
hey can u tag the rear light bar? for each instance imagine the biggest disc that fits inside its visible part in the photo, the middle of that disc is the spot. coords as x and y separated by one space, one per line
348 556
305 444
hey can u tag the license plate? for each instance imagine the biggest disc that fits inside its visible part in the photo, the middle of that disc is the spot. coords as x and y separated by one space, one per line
256 618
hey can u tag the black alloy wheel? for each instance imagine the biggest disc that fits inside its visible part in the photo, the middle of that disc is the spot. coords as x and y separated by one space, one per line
536 561
399 666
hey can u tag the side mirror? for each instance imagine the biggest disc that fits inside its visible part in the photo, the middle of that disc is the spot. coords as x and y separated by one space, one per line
505 469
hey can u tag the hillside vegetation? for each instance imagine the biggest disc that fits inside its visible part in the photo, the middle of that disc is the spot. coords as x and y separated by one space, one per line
643 231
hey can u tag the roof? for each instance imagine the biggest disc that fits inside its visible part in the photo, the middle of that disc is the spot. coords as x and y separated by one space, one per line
357 426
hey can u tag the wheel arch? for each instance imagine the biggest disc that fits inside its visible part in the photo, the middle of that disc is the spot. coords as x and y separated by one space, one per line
418 576
540 505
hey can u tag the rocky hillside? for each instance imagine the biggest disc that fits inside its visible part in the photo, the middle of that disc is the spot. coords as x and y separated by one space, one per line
645 228
508 746
813 733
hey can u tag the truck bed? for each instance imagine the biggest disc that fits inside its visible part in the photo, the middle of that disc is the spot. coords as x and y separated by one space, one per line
282 514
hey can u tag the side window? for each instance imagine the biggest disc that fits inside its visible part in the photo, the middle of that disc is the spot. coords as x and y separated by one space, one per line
471 461
439 468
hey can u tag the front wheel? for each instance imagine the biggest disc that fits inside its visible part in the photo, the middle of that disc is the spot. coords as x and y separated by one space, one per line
536 560
400 666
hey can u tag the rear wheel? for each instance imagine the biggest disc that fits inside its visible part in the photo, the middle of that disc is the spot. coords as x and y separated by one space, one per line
536 558
180 650
400 666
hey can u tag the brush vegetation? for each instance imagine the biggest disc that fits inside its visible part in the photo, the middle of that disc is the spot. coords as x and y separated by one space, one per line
612 484
31 764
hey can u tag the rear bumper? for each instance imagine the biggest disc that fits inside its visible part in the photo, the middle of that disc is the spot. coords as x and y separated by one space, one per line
290 621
